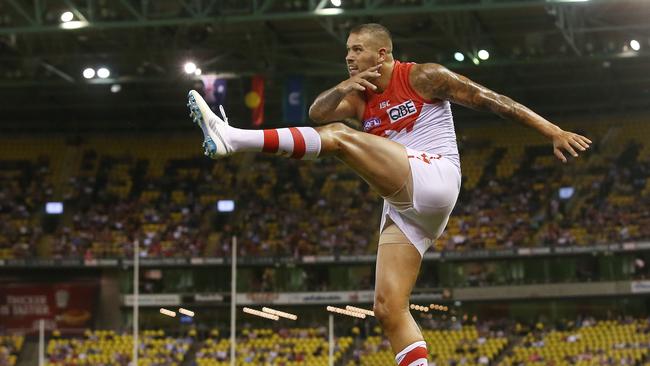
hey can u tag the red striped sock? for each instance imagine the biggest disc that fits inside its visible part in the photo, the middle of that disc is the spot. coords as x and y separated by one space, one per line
293 142
413 355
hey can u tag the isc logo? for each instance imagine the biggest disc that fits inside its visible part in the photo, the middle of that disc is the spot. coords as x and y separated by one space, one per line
400 111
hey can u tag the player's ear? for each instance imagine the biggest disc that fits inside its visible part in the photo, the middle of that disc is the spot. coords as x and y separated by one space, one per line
382 54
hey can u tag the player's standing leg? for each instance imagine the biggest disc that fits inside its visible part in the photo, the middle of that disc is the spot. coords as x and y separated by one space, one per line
398 265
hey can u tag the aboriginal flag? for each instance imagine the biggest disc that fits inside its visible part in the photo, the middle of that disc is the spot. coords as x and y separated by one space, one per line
255 100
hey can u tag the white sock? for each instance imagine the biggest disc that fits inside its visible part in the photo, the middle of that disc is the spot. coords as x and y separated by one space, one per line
293 142
414 355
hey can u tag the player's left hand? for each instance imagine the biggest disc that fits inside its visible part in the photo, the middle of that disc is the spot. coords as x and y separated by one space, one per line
569 142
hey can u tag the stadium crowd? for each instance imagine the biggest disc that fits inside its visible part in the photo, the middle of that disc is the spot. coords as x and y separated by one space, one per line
10 348
289 208
103 347
283 346
24 188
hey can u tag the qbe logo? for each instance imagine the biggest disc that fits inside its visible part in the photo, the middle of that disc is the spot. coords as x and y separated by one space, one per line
371 123
400 111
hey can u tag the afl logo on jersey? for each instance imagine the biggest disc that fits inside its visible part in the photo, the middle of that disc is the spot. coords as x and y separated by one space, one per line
371 123
400 111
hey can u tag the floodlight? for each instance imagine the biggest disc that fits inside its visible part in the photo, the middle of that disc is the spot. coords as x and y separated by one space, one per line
190 67
103 73
89 73
67 16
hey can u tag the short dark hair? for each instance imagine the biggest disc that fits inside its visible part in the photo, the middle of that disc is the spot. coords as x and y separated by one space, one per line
380 34
372 28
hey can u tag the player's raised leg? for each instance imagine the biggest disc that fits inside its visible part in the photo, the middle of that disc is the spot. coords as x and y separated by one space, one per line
382 163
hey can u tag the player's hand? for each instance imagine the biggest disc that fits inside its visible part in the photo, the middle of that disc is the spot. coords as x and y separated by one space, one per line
569 142
360 82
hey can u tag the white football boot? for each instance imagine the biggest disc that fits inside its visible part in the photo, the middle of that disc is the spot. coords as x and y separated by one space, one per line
215 141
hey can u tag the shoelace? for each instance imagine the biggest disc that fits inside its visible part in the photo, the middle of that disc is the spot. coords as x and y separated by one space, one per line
223 113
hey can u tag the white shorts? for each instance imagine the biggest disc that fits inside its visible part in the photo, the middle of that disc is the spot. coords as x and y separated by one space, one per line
436 185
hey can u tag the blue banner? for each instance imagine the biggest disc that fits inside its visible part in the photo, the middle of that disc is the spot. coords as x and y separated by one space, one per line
294 100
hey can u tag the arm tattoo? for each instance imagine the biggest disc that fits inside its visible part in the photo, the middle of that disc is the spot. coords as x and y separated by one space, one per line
436 81
324 104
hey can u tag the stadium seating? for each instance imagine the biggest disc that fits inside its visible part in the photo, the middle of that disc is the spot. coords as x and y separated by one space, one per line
287 347
10 347
159 190
107 347
461 347
600 343
164 210
27 181
583 341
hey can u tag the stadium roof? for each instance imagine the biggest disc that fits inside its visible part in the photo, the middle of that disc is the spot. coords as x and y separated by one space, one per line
559 56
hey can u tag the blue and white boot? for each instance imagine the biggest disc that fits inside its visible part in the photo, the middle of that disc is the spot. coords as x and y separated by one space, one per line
215 142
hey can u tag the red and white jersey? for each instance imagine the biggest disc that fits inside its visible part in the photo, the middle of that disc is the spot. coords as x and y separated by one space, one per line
400 114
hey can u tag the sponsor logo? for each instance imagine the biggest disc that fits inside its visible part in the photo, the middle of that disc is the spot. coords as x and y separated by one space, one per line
208 297
384 104
153 300
403 110
262 297
640 287
371 123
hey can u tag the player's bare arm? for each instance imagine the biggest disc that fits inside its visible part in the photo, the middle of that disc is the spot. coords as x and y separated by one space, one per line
344 100
332 105
436 81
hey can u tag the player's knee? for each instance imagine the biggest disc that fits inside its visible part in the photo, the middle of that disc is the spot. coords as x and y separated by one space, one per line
388 309
381 311
336 135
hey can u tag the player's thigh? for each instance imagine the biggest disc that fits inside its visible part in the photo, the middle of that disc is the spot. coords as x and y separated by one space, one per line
382 163
398 265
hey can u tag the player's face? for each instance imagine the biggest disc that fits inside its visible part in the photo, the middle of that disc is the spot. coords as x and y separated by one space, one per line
360 55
